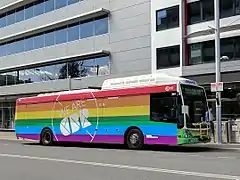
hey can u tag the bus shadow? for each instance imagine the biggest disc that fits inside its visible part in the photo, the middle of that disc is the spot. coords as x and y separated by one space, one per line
159 148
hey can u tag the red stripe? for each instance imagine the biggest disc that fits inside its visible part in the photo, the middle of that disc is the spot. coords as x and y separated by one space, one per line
100 94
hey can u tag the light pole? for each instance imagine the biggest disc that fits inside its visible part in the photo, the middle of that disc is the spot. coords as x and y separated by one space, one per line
218 74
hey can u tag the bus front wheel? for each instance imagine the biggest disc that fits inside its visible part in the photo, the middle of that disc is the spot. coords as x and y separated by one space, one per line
46 137
135 139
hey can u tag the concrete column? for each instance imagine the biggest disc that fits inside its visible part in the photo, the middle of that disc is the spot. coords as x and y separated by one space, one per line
183 33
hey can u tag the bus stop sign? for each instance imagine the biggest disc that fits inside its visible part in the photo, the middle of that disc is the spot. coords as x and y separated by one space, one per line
215 88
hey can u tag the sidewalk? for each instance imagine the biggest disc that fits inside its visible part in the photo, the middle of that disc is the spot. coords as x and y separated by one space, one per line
4 135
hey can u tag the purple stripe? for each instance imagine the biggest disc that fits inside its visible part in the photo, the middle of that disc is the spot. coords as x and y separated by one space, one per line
103 139
87 138
29 136
161 140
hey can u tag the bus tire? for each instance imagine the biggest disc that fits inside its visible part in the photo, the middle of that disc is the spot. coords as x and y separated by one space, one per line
46 137
134 139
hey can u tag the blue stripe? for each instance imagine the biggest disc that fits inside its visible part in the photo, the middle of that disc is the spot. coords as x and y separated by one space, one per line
160 130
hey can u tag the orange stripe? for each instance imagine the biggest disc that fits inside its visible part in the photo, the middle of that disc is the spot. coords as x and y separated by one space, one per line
109 103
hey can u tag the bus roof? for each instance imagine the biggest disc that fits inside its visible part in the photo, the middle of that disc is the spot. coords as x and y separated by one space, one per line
142 84
68 92
156 79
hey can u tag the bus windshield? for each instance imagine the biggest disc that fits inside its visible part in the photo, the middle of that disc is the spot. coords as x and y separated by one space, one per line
194 97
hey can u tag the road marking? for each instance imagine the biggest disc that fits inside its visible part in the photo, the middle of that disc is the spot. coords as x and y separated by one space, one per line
140 168
223 157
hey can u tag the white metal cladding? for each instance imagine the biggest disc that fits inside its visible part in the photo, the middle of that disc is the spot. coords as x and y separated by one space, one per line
144 80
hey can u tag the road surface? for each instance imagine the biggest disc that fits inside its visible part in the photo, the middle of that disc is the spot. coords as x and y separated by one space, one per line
30 161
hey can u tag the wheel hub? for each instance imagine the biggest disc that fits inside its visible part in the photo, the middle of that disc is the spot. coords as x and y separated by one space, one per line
134 138
47 138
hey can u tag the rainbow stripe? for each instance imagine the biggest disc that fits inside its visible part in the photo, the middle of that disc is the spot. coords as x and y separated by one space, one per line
107 120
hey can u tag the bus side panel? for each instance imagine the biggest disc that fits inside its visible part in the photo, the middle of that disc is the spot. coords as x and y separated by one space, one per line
107 120
30 119
93 120
120 113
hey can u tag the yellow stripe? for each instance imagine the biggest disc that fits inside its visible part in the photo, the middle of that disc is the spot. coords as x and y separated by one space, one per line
106 112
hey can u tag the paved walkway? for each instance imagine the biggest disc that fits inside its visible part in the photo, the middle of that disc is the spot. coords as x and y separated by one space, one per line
8 135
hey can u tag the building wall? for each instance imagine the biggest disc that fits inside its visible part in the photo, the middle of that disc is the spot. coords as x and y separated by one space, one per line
168 37
200 32
164 38
128 41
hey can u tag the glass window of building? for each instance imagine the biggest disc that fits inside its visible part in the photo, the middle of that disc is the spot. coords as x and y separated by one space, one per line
87 29
19 15
227 47
203 10
207 10
237 7
38 41
49 5
7 110
10 17
167 18
60 4
39 7
168 57
208 51
237 48
78 68
29 11
195 53
2 20
173 17
60 35
194 12
72 1
205 51
73 32
49 38
101 25
32 9
29 44
226 8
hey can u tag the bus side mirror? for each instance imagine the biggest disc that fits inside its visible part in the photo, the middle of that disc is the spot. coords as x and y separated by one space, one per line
185 109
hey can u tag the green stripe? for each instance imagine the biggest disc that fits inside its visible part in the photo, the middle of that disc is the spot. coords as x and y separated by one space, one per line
104 121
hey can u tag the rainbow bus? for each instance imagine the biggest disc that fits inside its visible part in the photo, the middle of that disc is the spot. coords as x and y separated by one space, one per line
136 110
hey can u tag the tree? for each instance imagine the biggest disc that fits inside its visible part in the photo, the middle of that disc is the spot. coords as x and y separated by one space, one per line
73 69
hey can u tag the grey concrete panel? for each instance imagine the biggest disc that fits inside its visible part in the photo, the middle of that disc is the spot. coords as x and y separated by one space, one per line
129 66
117 5
132 33
210 68
118 24
4 3
131 44
131 55
130 11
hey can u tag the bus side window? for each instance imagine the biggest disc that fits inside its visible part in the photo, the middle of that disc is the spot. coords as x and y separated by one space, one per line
163 107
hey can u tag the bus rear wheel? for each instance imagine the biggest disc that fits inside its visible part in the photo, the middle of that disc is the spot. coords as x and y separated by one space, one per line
135 139
46 137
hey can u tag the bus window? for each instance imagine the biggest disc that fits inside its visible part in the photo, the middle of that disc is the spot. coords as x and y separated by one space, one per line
163 107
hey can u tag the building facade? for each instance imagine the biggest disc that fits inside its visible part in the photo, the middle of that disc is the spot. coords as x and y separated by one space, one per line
183 44
55 45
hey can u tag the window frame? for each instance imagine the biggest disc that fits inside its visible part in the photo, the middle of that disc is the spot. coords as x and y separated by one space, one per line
167 25
165 96
169 50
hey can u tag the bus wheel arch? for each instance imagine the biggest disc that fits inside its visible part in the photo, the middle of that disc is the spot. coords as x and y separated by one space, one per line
134 138
46 137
